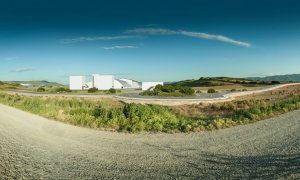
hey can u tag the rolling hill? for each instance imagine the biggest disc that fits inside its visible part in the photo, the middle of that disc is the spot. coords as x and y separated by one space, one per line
223 81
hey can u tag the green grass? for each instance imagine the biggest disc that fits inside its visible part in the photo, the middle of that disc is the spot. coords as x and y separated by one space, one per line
136 117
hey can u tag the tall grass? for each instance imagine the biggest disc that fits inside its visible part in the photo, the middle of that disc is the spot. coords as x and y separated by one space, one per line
136 117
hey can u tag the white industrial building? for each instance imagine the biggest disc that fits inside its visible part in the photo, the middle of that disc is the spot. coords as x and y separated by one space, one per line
103 82
77 82
106 82
149 85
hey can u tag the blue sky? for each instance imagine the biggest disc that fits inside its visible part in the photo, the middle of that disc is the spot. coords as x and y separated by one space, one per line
148 40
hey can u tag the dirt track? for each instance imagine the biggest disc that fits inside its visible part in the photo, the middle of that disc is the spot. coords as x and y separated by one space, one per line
34 147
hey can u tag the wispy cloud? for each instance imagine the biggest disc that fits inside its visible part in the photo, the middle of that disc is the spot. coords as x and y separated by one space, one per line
26 69
200 35
120 47
10 58
98 38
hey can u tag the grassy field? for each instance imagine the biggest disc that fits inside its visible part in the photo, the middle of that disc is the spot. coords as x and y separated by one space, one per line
119 116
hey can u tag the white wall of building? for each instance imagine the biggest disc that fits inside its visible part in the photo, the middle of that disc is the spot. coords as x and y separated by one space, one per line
133 83
103 82
148 85
129 81
76 82
88 85
117 84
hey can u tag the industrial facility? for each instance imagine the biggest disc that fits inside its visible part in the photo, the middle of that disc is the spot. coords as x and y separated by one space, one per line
106 82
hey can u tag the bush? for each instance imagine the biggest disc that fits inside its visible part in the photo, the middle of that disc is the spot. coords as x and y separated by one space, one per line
275 82
41 89
92 90
112 91
211 90
61 90
187 90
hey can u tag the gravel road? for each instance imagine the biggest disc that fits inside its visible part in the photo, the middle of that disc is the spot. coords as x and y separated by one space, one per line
32 147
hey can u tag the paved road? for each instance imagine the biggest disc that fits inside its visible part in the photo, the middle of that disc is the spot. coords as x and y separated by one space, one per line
34 147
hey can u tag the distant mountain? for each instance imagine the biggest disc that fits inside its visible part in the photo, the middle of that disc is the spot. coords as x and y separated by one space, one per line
288 77
38 83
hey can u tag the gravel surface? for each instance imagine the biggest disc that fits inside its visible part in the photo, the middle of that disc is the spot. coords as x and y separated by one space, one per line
32 147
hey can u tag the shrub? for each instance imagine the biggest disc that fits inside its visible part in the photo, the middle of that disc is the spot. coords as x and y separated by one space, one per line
112 91
61 90
92 90
211 90
41 89
187 90
275 82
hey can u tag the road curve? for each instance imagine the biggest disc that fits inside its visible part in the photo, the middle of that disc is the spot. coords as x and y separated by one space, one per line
194 100
32 147
215 98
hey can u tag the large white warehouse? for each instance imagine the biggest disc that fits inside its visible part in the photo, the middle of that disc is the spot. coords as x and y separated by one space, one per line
102 82
77 82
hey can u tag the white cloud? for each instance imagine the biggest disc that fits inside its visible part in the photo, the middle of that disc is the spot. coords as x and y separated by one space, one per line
26 69
200 35
152 31
120 47
99 38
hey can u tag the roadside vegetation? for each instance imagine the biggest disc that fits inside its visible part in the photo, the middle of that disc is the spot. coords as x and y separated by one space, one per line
169 90
119 116
110 91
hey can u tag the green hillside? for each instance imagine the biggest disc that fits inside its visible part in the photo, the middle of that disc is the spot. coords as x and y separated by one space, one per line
222 81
